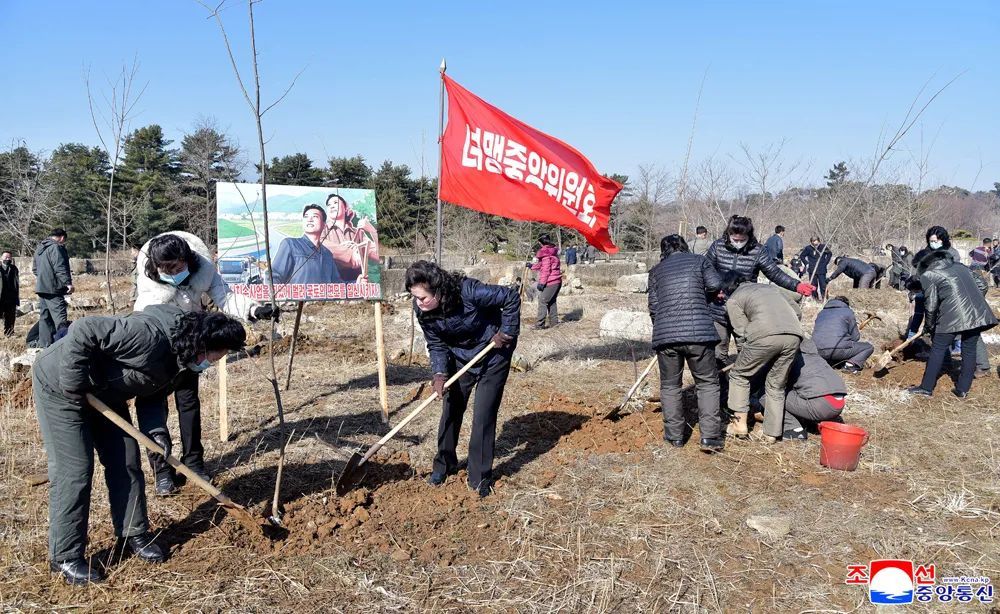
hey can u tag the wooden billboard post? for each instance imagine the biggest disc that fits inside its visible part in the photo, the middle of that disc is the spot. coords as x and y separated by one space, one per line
383 388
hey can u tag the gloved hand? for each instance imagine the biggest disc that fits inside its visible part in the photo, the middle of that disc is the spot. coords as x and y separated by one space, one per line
805 288
501 340
437 383
540 287
162 439
266 312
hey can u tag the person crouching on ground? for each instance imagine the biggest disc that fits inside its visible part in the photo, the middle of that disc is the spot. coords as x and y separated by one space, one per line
459 317
954 307
768 335
815 392
837 336
549 281
116 359
683 331
862 273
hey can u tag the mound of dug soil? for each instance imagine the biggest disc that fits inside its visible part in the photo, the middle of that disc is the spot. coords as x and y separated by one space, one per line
633 432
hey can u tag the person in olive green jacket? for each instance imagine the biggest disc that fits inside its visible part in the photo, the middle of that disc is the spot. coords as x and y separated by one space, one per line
767 333
115 359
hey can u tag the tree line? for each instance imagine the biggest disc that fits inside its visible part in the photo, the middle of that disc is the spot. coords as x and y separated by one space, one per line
158 187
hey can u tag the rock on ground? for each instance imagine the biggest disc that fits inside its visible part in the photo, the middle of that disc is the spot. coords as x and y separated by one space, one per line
633 283
771 527
624 324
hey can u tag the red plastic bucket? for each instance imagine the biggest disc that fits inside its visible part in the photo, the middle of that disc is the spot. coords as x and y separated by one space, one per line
840 445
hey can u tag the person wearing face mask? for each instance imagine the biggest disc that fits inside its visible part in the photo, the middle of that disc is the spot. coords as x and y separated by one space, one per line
10 292
115 359
53 282
175 268
739 251
459 317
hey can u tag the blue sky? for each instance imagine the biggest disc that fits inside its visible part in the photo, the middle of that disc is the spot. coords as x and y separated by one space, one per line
617 80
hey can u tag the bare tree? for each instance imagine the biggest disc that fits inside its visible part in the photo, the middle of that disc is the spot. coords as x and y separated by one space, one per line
24 195
252 95
112 121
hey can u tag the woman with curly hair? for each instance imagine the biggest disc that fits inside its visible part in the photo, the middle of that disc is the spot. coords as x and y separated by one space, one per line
459 317
116 359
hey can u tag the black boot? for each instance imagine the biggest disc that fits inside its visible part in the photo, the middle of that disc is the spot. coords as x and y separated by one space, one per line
712 445
143 547
77 571
198 467
164 479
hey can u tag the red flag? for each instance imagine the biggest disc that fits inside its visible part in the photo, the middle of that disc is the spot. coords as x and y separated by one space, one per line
494 163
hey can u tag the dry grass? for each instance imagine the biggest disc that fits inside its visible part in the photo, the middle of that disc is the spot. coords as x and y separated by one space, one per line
568 530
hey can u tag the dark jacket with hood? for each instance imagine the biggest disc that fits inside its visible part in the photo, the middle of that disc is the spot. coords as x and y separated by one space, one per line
51 268
953 301
115 358
853 268
485 309
812 377
835 327
679 289
748 261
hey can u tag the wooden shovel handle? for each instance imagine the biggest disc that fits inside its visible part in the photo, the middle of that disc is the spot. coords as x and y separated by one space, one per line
151 445
413 414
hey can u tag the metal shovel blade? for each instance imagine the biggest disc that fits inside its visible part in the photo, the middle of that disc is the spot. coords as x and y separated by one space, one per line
354 471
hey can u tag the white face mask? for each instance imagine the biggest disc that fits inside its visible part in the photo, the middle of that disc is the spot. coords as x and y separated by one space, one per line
738 244
936 244
198 367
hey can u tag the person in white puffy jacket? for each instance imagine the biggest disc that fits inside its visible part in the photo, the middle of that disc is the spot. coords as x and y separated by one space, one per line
176 268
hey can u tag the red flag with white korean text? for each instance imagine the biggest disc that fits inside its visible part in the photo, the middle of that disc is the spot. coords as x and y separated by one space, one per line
494 163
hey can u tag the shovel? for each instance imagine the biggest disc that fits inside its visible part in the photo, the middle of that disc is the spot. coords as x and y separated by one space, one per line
353 473
871 316
238 511
628 395
886 357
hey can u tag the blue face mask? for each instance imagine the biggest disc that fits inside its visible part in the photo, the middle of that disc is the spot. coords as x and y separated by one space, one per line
174 280
198 367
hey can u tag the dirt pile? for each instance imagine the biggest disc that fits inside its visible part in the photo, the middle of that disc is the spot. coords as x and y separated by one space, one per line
401 518
632 432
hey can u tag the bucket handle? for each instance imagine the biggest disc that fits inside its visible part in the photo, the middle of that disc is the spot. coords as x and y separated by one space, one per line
864 441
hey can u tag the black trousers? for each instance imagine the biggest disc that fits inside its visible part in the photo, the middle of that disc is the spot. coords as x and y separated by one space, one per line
9 316
820 283
700 358
489 385
941 348
188 416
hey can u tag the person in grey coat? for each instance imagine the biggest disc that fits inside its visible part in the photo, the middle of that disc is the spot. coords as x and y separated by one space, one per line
768 334
701 241
115 359
816 392
53 282
954 307
837 337
863 273
683 331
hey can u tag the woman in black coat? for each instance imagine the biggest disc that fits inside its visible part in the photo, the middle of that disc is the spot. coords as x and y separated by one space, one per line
459 317
954 308
679 289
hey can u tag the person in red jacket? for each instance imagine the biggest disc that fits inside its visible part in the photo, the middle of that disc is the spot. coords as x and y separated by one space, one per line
549 280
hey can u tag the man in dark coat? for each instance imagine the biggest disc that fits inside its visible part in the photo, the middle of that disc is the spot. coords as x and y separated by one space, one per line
53 282
863 273
775 244
571 255
837 337
683 331
954 307
10 292
816 258
304 260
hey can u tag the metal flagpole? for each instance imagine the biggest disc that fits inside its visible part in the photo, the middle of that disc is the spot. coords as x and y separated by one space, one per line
440 219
